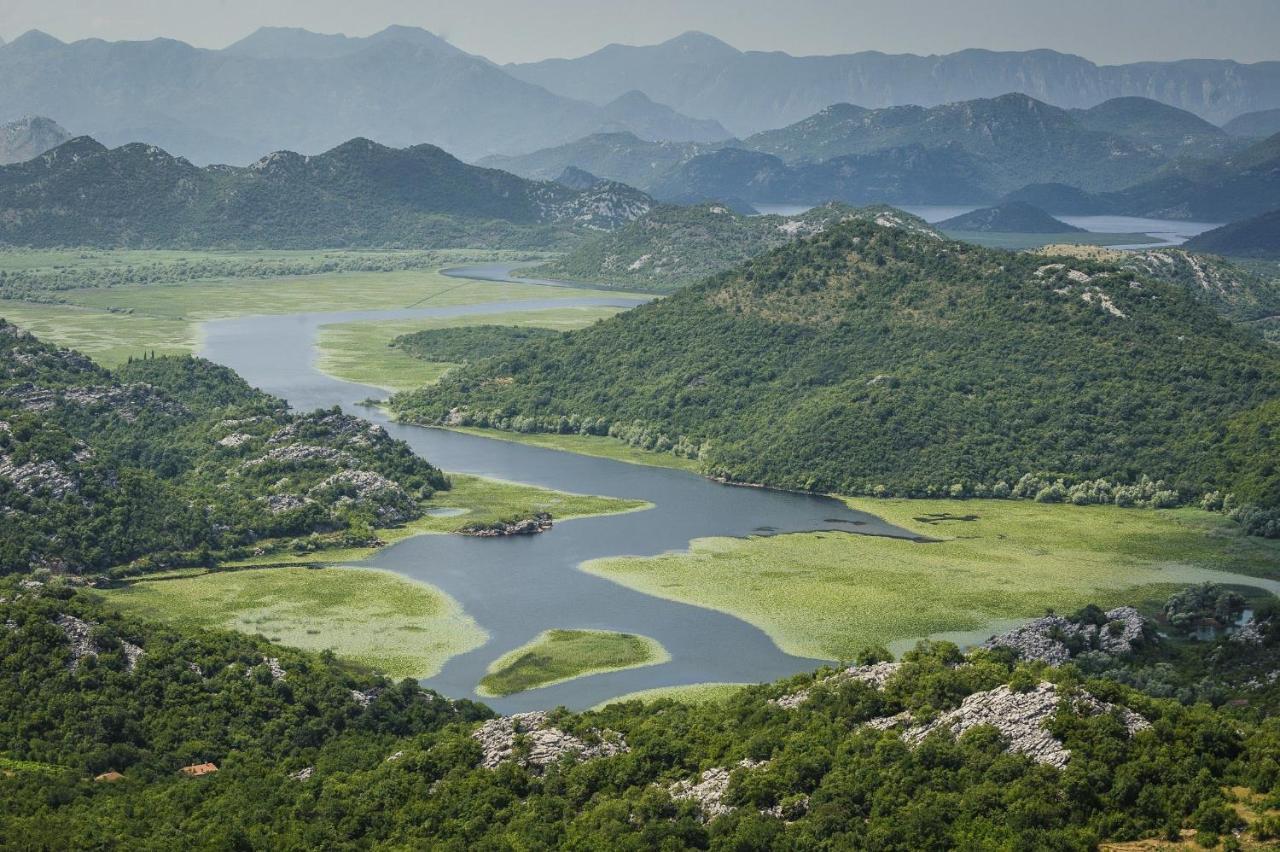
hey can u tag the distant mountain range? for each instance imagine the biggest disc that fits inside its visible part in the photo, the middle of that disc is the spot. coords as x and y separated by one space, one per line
29 137
358 194
969 152
289 88
750 91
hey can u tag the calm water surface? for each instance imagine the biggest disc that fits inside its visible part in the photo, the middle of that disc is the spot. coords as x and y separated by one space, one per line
517 587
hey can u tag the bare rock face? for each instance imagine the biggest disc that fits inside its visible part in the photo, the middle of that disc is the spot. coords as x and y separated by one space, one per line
875 675
278 504
1042 639
273 665
528 739
710 787
80 635
294 454
343 429
389 502
1020 717
365 698
1250 633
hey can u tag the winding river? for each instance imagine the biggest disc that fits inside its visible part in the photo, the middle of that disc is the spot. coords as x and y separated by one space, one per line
517 587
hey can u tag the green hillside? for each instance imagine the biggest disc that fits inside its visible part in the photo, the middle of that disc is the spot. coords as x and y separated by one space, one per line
178 461
870 360
671 247
1256 237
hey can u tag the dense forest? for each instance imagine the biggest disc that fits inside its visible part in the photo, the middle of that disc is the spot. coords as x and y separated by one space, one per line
1142 738
467 343
177 460
871 360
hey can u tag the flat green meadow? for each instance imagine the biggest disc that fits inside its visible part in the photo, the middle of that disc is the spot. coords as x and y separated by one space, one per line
373 618
555 656
829 594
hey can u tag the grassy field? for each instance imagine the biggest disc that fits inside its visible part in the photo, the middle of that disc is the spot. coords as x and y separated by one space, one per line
587 445
111 323
694 693
995 239
361 351
106 337
560 655
829 594
373 618
471 500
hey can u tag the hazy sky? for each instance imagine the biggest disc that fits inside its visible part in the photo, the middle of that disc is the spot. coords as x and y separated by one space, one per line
1107 31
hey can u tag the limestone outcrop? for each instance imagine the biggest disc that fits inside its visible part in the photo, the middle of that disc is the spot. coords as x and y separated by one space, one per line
531 741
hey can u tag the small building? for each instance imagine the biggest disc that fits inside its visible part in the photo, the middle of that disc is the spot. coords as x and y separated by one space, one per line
108 777
195 770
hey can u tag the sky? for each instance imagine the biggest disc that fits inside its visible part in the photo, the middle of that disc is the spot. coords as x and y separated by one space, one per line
1106 31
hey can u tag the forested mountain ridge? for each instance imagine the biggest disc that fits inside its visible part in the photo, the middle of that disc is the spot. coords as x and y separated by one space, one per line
671 247
177 460
869 360
1020 139
360 193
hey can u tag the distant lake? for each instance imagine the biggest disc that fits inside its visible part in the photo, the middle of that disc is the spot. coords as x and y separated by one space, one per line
1170 232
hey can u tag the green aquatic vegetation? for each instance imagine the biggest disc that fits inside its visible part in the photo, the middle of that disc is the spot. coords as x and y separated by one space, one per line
828 594
376 619
692 693
560 655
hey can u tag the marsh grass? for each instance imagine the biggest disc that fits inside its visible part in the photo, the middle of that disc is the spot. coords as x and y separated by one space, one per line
362 352
693 693
555 656
829 594
372 618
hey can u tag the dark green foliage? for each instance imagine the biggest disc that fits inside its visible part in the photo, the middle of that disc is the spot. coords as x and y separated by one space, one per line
403 772
468 343
358 194
177 460
1205 602
870 360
